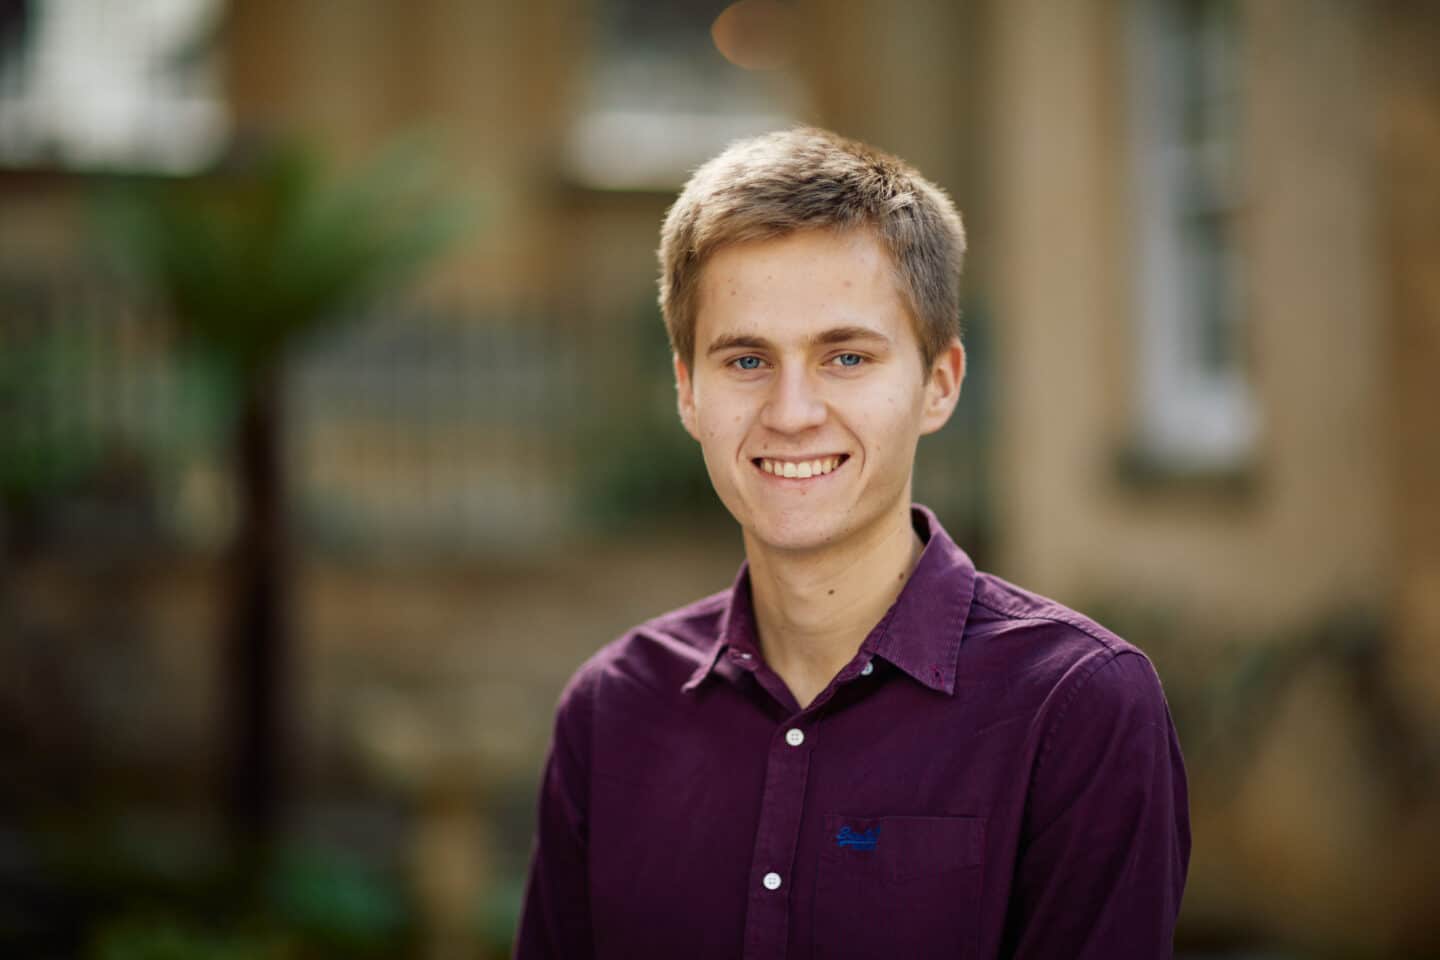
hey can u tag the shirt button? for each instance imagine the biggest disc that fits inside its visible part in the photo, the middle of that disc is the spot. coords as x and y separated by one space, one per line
794 737
771 881
868 669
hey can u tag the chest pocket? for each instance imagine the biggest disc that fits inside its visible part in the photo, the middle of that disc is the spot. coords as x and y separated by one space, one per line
899 887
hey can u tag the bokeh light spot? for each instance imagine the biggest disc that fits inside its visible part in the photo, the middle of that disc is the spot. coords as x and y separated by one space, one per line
755 34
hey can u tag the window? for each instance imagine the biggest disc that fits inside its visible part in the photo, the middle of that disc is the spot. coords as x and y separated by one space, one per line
659 98
113 84
1196 410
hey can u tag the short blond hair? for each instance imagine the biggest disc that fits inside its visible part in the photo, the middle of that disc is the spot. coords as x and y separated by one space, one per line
807 178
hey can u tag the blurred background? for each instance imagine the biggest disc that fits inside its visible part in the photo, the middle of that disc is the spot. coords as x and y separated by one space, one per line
336 426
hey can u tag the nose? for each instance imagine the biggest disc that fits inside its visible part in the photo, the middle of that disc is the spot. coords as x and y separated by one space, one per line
794 404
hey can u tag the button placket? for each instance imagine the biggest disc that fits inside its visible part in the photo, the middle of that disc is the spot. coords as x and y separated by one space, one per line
777 835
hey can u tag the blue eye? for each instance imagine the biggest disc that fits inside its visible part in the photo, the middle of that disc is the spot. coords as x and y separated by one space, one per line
747 363
850 359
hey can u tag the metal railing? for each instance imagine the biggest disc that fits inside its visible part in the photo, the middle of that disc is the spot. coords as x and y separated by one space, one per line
409 426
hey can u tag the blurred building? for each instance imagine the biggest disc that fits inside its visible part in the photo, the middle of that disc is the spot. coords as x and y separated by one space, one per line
1213 298
1203 267
1202 207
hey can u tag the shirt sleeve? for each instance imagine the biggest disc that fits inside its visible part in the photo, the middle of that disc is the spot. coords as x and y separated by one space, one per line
555 916
1106 841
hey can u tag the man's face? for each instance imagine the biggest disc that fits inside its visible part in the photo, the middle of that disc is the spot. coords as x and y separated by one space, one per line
808 392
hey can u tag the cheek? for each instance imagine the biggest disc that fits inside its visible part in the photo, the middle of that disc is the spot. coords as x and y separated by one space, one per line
721 420
885 417
887 411
717 429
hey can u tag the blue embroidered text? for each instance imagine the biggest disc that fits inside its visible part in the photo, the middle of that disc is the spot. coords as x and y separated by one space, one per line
858 840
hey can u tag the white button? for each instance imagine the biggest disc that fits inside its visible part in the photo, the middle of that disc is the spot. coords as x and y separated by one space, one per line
794 737
772 881
868 669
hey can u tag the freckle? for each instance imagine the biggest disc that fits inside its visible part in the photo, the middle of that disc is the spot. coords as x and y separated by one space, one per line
901 577
830 592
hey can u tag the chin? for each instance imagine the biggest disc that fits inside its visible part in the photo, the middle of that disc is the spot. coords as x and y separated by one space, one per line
799 533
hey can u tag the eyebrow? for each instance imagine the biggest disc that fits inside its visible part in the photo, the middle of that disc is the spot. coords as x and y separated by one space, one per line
828 337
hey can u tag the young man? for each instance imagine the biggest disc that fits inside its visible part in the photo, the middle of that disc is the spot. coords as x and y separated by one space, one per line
865 747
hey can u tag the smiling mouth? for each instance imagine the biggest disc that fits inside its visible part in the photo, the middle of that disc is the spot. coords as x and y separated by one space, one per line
800 469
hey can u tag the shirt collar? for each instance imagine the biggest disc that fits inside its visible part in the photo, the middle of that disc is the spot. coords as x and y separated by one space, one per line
736 631
920 633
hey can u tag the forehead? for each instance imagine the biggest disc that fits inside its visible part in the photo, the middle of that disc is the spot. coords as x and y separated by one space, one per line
794 285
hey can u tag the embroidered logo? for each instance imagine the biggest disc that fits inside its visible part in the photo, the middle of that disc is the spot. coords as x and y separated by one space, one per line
858 840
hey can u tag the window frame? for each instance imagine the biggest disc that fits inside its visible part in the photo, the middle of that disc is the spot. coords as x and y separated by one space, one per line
1192 412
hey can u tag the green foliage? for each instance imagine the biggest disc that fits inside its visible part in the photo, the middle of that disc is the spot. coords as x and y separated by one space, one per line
251 261
642 466
62 446
498 916
33 376
639 463
335 901
149 893
164 939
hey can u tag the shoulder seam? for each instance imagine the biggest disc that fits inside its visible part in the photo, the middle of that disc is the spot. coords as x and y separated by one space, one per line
1070 698
1080 628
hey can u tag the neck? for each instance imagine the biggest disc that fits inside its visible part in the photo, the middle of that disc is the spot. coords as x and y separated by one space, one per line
814 609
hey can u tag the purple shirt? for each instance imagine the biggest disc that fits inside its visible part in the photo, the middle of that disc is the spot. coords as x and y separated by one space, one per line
992 775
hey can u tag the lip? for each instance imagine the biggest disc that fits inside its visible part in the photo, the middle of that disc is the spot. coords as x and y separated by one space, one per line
796 481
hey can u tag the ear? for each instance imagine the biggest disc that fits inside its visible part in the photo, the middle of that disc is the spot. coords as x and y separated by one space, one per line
942 390
685 396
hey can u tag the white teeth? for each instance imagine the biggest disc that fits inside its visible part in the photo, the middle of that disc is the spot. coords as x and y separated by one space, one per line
802 470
